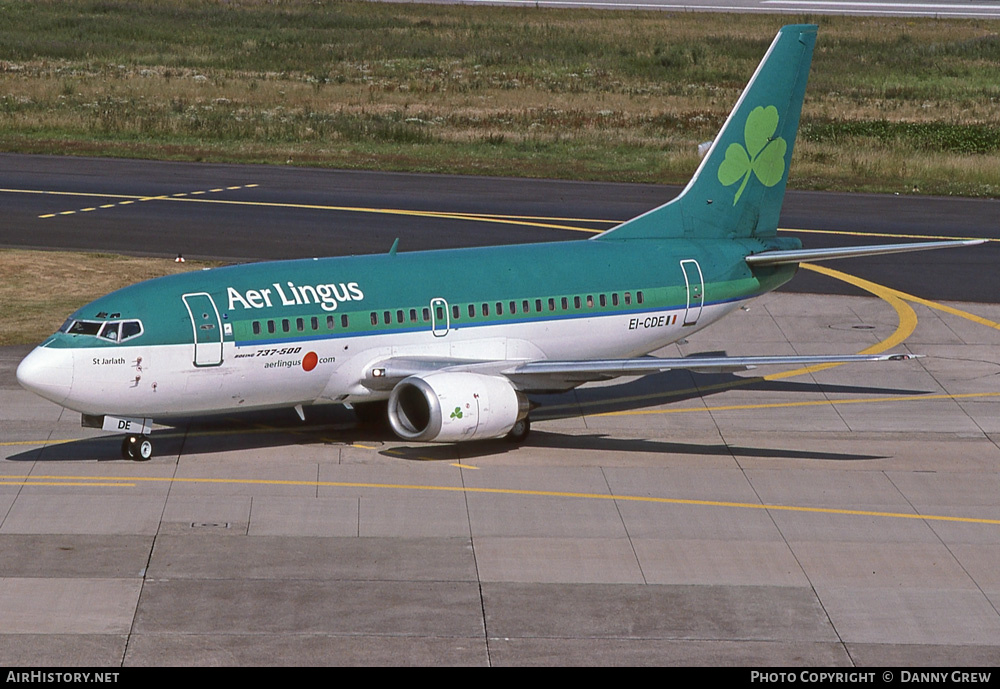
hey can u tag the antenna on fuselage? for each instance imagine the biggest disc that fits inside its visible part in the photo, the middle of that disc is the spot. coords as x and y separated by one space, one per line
395 245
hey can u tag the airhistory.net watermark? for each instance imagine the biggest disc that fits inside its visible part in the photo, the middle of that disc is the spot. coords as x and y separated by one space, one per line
44 676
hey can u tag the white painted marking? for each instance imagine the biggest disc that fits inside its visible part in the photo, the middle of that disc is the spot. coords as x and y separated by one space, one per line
891 5
833 7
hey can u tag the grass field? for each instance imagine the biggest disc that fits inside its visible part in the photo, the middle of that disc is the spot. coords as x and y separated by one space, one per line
894 105
62 281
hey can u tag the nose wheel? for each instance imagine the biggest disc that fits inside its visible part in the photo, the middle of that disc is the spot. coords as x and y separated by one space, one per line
138 448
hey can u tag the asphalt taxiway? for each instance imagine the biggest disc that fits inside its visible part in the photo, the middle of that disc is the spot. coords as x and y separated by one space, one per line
844 515
252 213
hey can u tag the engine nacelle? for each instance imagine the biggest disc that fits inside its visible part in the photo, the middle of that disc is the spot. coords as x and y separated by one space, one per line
451 406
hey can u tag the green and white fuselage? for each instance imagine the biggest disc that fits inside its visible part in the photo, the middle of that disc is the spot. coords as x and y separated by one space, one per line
455 340
280 334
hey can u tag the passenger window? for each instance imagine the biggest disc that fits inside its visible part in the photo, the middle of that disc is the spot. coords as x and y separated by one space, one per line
330 322
525 306
576 302
399 316
300 324
472 310
426 313
638 297
374 318
614 299
499 308
413 315
565 303
343 320
604 300
538 305
628 298
513 307
386 317
256 327
590 301
440 313
314 322
552 304
455 311
486 309
285 327
270 327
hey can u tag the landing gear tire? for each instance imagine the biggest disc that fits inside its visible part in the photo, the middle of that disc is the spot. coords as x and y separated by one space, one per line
137 448
519 433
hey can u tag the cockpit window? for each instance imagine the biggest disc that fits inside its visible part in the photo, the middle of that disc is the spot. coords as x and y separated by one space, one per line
131 329
112 331
84 328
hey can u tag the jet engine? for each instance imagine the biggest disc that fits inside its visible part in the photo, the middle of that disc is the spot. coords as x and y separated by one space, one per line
449 406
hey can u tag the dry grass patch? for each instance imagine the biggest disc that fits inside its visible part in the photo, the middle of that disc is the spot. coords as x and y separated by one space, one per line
526 91
40 289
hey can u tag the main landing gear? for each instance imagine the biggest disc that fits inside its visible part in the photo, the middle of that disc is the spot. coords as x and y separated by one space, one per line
137 447
519 433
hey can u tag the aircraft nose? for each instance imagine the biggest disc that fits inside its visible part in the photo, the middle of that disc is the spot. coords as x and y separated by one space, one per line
47 372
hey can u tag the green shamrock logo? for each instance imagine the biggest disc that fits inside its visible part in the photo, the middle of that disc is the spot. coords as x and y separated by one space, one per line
764 154
457 414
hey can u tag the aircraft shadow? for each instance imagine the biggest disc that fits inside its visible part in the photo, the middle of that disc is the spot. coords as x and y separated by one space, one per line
602 442
336 425
677 386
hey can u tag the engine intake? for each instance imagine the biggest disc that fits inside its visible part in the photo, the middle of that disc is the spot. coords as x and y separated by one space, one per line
452 406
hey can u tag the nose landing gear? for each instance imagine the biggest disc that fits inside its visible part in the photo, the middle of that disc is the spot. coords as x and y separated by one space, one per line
138 448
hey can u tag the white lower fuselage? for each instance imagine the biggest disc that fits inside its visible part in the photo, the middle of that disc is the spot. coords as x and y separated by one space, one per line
162 381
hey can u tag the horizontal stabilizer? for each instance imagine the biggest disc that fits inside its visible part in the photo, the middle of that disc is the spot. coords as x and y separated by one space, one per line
775 258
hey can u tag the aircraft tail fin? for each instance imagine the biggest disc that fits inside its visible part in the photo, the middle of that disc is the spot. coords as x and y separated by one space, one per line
738 189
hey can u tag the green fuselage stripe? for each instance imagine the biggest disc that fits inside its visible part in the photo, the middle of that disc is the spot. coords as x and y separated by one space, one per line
360 286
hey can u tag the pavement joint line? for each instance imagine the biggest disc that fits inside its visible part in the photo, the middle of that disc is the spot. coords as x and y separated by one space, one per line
21 480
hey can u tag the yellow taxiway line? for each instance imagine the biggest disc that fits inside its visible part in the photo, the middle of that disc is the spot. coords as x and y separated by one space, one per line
550 222
120 480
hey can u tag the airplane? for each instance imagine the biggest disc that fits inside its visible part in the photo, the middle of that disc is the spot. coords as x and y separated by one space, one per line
449 344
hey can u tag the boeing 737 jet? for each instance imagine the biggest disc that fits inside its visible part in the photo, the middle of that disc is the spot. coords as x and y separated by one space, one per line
451 342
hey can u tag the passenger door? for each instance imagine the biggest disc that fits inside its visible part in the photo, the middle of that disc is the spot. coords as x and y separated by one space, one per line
207 328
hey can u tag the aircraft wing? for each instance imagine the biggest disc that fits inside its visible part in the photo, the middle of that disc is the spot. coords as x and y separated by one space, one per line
541 374
551 375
